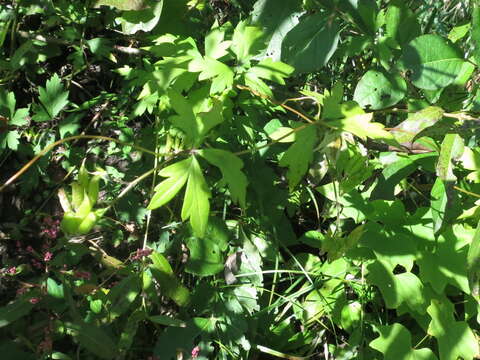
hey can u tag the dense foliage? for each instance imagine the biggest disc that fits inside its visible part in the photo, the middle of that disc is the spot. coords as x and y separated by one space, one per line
193 179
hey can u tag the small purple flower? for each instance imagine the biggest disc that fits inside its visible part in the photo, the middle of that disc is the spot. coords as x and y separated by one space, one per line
12 270
34 300
195 352
82 275
47 256
140 253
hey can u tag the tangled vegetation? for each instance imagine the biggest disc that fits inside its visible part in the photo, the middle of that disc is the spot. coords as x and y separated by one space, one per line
214 179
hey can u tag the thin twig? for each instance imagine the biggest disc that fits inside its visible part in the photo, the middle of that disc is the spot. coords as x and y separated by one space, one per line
62 141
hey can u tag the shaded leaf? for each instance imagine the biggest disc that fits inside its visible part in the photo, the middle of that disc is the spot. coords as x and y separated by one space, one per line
53 99
433 60
94 339
299 155
455 338
378 90
230 165
14 311
395 343
311 43
169 284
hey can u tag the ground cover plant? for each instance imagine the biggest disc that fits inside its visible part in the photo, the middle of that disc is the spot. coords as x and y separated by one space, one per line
193 179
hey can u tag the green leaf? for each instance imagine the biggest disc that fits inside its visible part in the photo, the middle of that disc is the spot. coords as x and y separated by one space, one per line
122 4
390 247
215 46
272 70
361 126
397 169
129 331
195 125
230 165
475 31
378 90
455 338
175 340
310 44
170 286
7 103
143 19
14 311
451 149
100 46
10 140
401 23
221 74
442 204
53 99
122 295
299 155
20 117
458 32
166 320
433 60
55 290
206 257
247 41
276 21
395 343
94 339
397 289
196 206
407 130
445 264
473 264
70 125
177 177
207 253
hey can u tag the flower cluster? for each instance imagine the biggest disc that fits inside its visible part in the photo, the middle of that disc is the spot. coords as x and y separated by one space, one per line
140 253
50 228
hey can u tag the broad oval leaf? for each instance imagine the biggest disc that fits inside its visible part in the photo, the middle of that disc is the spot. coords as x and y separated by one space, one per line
378 90
310 44
434 61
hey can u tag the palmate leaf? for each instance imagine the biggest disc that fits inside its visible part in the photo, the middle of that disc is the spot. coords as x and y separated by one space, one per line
247 41
215 46
221 74
53 99
195 125
272 70
455 338
395 343
299 155
195 205
230 165
397 289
